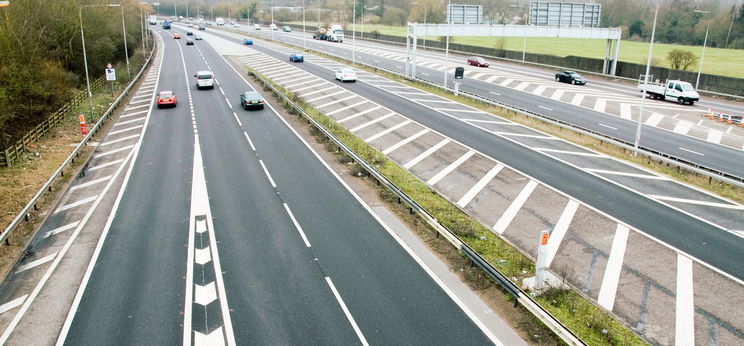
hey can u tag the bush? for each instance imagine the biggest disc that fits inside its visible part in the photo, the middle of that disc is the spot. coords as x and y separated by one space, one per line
680 59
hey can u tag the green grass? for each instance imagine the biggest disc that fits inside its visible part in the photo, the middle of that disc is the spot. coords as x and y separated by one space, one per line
724 62
592 324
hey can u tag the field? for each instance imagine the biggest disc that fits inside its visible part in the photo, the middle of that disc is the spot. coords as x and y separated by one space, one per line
724 62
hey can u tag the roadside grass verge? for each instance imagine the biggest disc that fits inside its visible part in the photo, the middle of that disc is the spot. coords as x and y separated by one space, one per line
718 61
592 324
20 182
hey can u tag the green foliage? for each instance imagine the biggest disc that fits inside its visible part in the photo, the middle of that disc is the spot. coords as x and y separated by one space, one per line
681 59
394 16
41 55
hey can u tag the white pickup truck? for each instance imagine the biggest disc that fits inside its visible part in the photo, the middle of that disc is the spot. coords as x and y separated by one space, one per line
678 90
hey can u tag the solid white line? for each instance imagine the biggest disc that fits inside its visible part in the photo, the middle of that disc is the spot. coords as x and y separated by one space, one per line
548 150
634 175
271 180
128 122
325 96
75 204
690 151
468 196
61 229
92 182
426 153
698 202
405 141
614 267
297 225
114 151
336 101
308 87
12 304
347 312
388 130
459 110
118 140
35 263
359 114
124 130
127 109
608 126
560 229
347 107
511 212
133 114
320 91
451 167
523 135
95 168
433 101
684 326
489 121
314 78
546 108
373 121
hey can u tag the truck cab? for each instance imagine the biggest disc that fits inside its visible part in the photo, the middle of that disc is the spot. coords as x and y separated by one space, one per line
336 33
681 91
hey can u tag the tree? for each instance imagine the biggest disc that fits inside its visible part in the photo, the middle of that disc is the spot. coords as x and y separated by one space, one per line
427 11
680 59
636 29
394 16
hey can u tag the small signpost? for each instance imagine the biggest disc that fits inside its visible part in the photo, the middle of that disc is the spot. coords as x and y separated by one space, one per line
542 259
111 76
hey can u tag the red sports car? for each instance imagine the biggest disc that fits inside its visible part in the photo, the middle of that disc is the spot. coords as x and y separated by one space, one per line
477 61
177 36
166 98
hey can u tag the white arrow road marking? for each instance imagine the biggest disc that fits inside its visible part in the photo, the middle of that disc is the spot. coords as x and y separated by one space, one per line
215 338
203 295
202 256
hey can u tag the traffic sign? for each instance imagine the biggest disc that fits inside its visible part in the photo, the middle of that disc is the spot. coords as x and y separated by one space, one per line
110 74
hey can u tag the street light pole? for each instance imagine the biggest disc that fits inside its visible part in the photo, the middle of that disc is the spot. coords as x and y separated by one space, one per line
645 85
271 27
85 54
733 16
126 50
702 56
353 34
446 45
304 34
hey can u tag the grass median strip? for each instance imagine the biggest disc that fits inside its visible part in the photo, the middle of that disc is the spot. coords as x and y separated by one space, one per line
590 322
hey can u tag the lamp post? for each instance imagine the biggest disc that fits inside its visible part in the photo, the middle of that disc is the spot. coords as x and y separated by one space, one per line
731 25
271 27
126 50
353 34
645 86
446 45
524 35
85 55
304 34
702 56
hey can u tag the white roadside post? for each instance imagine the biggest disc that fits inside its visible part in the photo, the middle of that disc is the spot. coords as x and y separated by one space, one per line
542 260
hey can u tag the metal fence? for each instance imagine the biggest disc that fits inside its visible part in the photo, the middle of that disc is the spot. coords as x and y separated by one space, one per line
12 151
32 204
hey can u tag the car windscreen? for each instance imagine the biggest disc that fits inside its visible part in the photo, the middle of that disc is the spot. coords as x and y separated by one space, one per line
687 87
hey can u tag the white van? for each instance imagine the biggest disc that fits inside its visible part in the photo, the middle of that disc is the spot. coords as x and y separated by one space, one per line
204 79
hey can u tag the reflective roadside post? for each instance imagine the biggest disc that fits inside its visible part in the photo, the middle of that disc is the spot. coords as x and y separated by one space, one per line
542 260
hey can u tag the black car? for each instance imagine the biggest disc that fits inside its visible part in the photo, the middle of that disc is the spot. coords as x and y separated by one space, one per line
189 42
569 77
189 33
251 99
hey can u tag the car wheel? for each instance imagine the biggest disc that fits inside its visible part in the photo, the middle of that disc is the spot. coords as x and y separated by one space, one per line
681 100
573 82
557 79
691 103
160 106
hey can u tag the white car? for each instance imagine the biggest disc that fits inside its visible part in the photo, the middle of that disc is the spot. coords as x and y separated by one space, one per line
272 26
346 75
256 26
204 79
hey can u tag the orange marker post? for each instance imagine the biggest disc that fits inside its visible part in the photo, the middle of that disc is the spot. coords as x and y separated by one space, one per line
83 129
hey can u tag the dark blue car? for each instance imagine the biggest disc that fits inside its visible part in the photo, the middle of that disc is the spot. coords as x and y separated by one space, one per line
247 41
296 57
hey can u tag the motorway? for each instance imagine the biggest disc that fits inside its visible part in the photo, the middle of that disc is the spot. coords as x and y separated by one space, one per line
229 229
284 238
624 199
659 133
